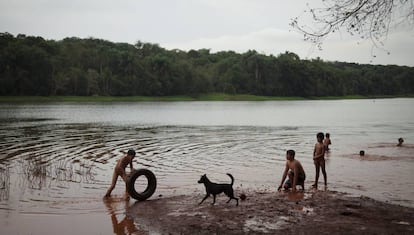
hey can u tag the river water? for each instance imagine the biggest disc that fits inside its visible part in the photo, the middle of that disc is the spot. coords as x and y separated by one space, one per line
56 159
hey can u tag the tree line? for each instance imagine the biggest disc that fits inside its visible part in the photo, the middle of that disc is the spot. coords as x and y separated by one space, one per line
31 65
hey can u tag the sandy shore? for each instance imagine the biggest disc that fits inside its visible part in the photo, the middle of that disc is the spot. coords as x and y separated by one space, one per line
312 212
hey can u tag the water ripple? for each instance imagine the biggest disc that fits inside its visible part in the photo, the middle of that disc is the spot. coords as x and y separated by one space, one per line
76 160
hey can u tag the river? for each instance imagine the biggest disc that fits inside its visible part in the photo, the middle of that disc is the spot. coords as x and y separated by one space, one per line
56 159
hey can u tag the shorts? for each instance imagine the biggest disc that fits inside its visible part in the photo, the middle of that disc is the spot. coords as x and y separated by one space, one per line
301 180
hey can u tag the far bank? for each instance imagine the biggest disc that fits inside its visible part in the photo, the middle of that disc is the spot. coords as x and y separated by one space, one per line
204 97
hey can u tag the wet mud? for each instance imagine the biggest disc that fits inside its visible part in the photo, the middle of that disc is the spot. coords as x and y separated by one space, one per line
313 212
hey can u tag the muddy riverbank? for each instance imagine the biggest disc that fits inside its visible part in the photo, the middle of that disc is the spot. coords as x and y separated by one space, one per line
313 212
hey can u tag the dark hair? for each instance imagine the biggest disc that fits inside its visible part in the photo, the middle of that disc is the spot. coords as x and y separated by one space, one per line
131 152
320 135
361 153
327 135
291 152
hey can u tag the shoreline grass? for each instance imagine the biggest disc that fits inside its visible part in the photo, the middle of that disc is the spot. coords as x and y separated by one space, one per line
204 97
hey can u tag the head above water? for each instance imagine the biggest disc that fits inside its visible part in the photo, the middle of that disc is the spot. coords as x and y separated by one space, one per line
400 141
290 154
361 153
320 136
131 152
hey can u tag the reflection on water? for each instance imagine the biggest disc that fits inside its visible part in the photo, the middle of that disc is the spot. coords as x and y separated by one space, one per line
126 225
59 159
296 196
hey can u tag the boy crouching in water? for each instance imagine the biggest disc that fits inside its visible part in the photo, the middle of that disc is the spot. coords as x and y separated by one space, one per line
296 174
120 170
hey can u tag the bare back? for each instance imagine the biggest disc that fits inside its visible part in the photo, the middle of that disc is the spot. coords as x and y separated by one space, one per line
295 166
123 162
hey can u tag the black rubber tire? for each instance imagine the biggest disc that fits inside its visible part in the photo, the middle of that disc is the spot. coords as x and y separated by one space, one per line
150 189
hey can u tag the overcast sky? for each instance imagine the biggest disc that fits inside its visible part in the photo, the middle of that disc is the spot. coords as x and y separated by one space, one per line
219 25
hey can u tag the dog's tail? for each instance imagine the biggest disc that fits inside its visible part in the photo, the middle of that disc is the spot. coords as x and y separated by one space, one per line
231 177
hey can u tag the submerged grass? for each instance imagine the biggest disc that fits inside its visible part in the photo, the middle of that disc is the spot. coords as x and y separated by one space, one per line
203 97
40 173
4 182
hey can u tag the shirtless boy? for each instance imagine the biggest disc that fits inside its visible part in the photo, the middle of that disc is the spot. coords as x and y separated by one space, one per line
327 141
319 159
296 174
120 170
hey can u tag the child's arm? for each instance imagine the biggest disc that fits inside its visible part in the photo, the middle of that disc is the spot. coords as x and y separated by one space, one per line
295 177
319 151
283 177
322 151
130 165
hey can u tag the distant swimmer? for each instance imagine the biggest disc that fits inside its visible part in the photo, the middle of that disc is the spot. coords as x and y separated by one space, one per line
400 142
362 153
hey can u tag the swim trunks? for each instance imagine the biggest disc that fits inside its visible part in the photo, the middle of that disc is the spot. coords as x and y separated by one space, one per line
301 179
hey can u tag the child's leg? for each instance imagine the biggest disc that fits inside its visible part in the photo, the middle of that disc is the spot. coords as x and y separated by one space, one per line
324 172
288 183
114 179
125 178
301 181
317 169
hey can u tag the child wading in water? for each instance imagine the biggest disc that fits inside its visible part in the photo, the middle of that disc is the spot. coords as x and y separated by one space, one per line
400 142
319 159
120 170
327 142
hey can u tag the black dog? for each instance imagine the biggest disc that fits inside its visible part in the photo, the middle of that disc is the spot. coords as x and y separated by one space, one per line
213 188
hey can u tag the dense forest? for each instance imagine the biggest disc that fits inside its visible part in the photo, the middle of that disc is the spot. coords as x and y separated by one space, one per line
31 65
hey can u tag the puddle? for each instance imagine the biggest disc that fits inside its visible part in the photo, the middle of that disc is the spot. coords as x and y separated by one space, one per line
307 210
260 225
401 222
296 196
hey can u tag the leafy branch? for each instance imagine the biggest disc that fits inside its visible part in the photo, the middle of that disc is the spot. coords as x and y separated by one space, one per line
369 19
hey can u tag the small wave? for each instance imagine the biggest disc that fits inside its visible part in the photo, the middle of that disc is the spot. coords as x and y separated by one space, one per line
373 157
77 160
